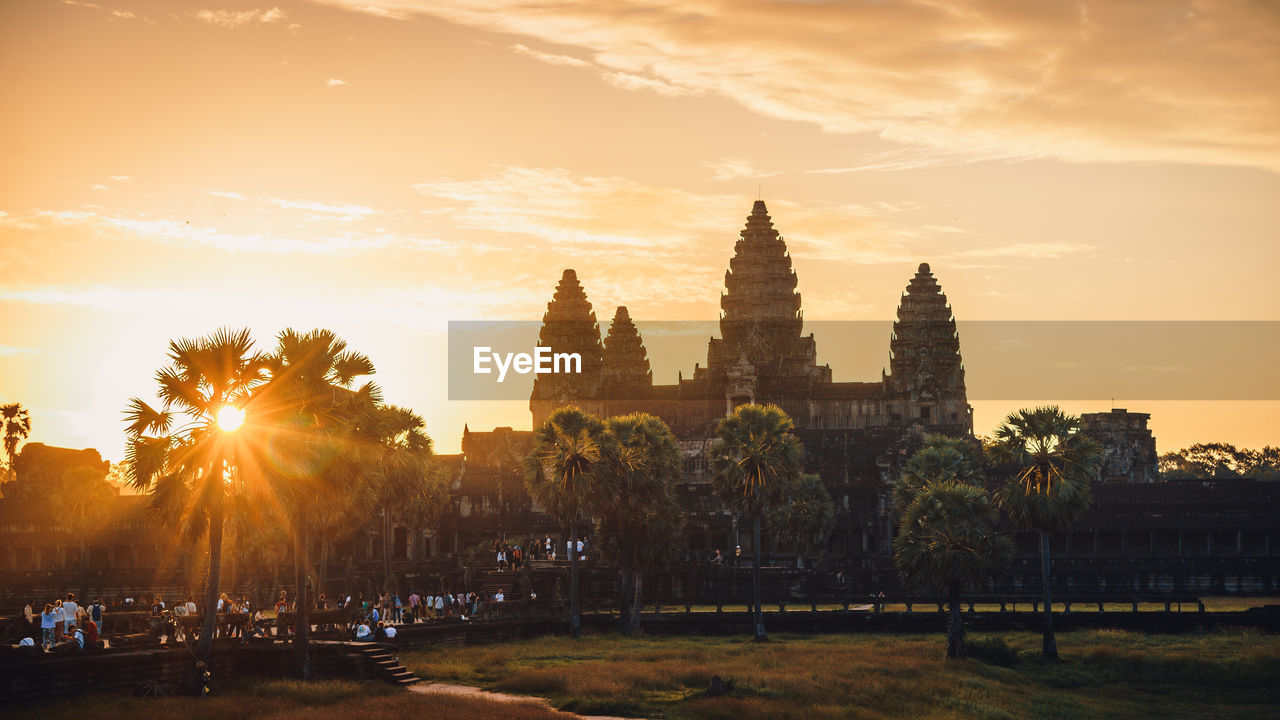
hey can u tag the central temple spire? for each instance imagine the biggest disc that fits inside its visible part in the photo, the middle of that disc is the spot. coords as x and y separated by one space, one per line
760 286
761 320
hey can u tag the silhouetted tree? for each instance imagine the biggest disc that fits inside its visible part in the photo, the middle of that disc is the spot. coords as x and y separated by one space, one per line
178 453
757 460
1048 463
562 474
16 422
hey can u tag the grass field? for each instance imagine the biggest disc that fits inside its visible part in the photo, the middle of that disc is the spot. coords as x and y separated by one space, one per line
1104 674
1211 604
287 700
1108 675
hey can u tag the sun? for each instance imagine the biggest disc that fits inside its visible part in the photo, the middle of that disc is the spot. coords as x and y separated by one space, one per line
230 418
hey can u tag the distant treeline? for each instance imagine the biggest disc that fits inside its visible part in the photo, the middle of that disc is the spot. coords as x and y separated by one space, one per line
1221 461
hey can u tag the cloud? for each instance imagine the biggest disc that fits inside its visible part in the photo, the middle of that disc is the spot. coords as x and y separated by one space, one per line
1086 81
120 178
334 82
183 233
349 211
10 351
734 168
224 194
123 14
1034 251
549 57
232 19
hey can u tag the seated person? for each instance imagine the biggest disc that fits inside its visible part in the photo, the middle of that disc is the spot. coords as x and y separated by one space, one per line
73 643
362 631
261 624
90 633
391 633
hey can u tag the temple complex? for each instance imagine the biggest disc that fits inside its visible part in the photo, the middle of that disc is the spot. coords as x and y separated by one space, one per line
1139 535
762 356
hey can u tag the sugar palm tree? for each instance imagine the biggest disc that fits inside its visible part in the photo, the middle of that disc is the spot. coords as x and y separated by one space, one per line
637 515
561 473
942 458
177 451
807 518
314 414
1047 463
16 423
407 486
948 539
83 496
756 460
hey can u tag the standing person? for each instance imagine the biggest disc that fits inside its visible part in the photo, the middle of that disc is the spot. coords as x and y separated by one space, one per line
582 547
547 551
96 611
60 623
48 625
439 605
71 608
29 615
191 606
414 602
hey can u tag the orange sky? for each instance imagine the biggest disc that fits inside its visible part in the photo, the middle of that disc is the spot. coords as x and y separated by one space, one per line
380 167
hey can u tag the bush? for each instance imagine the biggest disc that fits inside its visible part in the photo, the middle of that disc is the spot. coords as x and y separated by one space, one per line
991 650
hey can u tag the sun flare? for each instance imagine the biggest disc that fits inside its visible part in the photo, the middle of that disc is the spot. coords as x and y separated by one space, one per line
230 418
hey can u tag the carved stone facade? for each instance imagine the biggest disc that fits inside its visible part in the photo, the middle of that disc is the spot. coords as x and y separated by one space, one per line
1128 447
762 356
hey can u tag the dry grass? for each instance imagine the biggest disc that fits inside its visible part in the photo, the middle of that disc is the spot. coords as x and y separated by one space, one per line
288 700
1107 675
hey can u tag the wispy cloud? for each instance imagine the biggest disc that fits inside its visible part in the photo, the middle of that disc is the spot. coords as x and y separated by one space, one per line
735 168
1033 251
1089 82
232 19
184 233
120 178
335 82
551 58
11 351
224 194
345 210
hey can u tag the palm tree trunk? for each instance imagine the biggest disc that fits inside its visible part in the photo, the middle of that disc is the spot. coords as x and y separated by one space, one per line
955 624
755 581
1050 643
204 648
574 621
637 605
624 600
324 560
302 614
386 549
84 570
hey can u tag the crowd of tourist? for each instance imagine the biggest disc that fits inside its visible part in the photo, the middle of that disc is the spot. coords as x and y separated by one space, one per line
62 625
514 557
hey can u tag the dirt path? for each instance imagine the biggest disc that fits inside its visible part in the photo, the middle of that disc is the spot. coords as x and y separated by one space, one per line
431 688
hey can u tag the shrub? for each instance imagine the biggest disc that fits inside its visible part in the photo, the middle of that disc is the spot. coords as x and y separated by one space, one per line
991 650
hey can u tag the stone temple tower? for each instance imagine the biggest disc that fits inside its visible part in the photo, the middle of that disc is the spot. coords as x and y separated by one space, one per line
762 356
569 326
926 376
626 373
